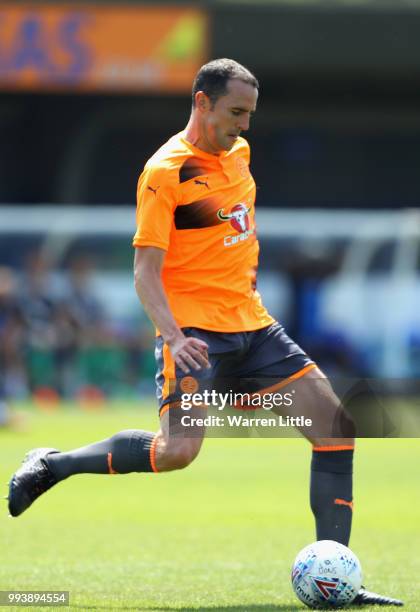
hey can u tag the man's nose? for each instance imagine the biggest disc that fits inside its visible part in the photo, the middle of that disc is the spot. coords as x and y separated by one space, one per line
243 123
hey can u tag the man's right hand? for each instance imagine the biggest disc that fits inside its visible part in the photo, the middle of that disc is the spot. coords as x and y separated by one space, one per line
189 353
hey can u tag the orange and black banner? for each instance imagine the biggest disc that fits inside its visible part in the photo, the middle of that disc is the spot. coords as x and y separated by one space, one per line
99 48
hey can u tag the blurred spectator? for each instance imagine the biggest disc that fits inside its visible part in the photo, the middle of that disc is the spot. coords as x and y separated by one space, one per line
57 340
37 303
80 301
79 324
13 381
67 339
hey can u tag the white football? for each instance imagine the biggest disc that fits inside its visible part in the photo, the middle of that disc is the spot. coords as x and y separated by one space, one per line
326 574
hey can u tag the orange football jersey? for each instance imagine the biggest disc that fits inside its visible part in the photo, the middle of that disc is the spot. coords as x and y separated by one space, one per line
199 208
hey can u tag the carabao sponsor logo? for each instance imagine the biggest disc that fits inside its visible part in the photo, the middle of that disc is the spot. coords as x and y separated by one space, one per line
239 220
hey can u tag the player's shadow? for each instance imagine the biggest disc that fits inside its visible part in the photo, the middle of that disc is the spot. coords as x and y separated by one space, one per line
247 608
251 608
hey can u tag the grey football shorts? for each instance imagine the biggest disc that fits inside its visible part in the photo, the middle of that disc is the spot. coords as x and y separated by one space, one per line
251 362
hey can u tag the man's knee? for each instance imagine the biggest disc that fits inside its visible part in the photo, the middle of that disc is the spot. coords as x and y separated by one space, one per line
332 425
182 456
176 446
177 454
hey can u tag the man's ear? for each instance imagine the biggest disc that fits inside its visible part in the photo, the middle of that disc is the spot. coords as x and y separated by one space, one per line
202 102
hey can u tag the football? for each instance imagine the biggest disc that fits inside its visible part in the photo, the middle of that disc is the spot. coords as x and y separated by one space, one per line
326 575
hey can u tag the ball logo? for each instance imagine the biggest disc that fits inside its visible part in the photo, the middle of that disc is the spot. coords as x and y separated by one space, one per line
238 217
326 587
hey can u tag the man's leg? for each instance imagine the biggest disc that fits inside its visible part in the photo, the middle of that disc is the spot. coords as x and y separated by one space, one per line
331 491
331 488
132 450
275 362
127 451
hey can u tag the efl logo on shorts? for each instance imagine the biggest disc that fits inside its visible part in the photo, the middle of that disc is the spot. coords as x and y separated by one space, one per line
189 384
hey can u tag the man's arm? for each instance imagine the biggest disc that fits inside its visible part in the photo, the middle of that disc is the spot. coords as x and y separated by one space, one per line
187 352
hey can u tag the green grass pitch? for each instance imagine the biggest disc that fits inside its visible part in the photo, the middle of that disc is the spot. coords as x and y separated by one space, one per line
220 535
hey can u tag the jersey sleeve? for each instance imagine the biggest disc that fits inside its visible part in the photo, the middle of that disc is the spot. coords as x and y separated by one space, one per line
156 203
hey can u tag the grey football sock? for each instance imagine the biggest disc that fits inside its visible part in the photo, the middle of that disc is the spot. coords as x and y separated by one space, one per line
126 451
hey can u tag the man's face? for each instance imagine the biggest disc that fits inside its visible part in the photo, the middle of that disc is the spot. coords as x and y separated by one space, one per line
230 115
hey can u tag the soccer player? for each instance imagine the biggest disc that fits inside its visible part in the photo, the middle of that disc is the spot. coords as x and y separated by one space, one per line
12 331
196 255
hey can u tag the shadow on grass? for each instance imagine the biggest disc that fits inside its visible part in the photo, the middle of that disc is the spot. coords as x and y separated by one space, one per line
246 608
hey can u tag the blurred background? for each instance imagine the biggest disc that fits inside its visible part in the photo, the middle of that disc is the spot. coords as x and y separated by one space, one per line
88 91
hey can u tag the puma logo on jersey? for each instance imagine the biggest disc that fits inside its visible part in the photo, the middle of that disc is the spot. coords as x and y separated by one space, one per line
153 190
198 182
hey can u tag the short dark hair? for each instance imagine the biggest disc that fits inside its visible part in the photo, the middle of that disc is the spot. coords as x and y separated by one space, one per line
212 78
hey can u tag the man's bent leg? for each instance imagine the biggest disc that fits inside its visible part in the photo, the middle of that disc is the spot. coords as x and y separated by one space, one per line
134 450
177 445
125 452
128 451
42 468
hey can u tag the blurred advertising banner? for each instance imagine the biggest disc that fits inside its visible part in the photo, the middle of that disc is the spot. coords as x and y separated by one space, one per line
100 48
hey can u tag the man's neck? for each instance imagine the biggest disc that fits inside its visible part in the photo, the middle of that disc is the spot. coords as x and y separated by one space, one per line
194 134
